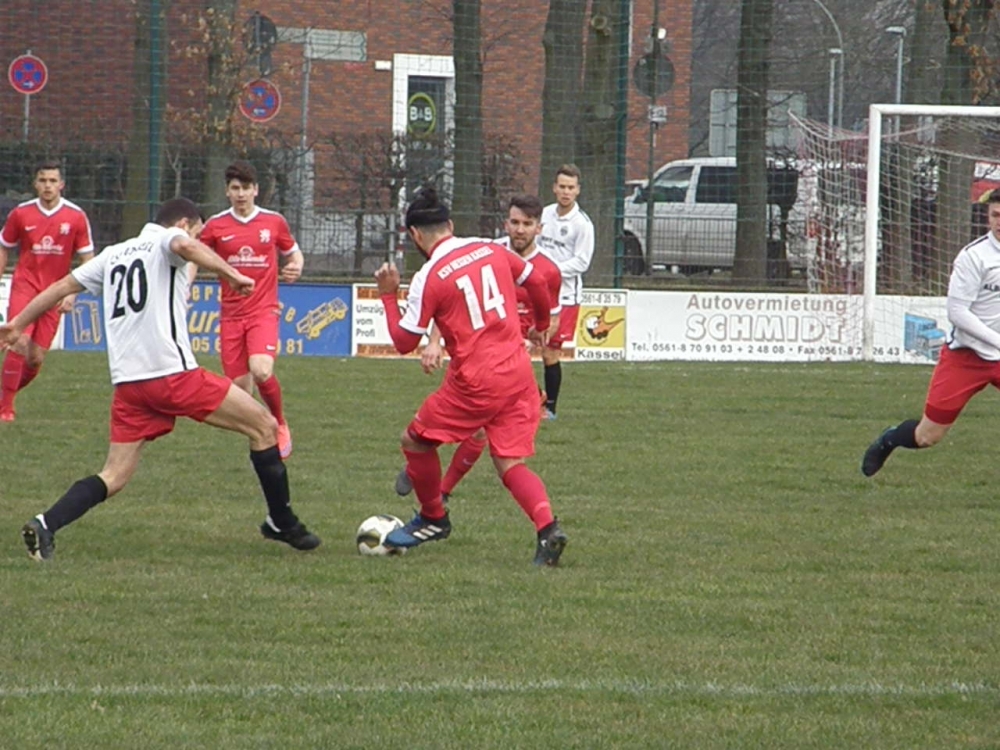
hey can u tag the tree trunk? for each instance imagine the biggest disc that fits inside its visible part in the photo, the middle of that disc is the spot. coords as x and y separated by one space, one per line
148 71
222 72
563 44
598 153
968 22
466 204
750 263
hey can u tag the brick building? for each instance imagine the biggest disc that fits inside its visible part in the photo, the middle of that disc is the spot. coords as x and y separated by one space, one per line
360 66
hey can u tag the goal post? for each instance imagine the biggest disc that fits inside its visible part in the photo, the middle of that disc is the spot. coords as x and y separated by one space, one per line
947 146
886 212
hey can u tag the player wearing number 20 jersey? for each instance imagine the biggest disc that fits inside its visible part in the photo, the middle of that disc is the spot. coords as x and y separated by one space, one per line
145 288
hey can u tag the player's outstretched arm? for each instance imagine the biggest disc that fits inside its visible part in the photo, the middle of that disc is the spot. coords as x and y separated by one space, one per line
43 301
203 256
3 260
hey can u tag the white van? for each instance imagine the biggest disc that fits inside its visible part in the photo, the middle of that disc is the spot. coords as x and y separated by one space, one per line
694 215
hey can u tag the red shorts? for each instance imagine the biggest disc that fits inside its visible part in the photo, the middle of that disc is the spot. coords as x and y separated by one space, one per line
241 338
510 419
43 330
567 327
958 376
147 409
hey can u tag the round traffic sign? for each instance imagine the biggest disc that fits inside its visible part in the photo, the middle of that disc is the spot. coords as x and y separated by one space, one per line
260 100
27 74
642 75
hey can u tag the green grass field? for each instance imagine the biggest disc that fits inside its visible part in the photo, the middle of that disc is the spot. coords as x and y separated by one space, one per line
732 581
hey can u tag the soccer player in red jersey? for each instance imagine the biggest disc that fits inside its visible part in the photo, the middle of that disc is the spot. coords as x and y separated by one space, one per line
255 241
468 287
144 286
49 231
524 214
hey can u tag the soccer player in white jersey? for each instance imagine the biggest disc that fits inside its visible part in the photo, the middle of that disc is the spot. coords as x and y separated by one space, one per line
144 282
971 359
568 239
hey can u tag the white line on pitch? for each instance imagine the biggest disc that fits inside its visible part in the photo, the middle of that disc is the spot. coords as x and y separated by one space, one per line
724 690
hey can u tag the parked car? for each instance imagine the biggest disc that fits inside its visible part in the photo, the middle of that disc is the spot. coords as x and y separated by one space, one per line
694 216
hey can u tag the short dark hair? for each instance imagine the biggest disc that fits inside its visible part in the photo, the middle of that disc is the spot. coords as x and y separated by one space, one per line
243 171
176 209
46 165
994 196
427 210
570 170
529 205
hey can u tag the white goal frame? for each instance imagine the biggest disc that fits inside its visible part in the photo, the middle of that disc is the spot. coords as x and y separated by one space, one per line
876 115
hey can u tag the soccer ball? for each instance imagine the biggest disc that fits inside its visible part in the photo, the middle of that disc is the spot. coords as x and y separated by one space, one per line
372 532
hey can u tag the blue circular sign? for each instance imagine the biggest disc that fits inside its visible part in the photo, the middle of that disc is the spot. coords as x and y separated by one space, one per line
260 101
27 74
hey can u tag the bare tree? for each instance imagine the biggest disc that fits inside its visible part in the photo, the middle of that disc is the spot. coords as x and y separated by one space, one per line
750 261
468 117
563 44
597 157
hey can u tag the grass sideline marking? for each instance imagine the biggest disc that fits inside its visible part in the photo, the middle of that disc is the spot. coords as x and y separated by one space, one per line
864 689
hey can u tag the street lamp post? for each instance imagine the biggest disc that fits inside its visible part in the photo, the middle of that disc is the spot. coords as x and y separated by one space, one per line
900 33
836 54
839 53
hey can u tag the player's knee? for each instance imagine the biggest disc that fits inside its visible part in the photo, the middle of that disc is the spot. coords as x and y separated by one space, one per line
267 427
34 358
262 370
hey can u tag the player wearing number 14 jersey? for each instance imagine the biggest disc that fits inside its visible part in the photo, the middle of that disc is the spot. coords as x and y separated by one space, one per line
468 288
144 284
254 241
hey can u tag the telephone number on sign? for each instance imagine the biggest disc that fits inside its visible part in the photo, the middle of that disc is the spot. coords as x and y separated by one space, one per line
213 344
693 348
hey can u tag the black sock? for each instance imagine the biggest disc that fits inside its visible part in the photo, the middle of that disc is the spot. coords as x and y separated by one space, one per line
81 497
903 435
273 476
553 379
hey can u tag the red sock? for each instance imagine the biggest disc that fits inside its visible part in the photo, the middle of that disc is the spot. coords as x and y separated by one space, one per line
270 391
29 374
424 470
10 378
529 491
464 459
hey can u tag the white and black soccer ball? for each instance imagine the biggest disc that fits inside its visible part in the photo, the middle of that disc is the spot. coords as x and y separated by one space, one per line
372 533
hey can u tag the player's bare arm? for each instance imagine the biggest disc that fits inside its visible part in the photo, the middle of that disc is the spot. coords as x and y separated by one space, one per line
291 269
431 358
70 299
3 260
203 256
45 300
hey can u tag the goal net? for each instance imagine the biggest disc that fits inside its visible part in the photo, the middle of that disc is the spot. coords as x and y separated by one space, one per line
888 210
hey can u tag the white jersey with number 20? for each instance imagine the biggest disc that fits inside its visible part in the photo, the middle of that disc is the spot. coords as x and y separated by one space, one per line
145 290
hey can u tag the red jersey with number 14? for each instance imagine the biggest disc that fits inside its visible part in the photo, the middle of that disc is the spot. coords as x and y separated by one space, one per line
469 288
251 245
47 240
